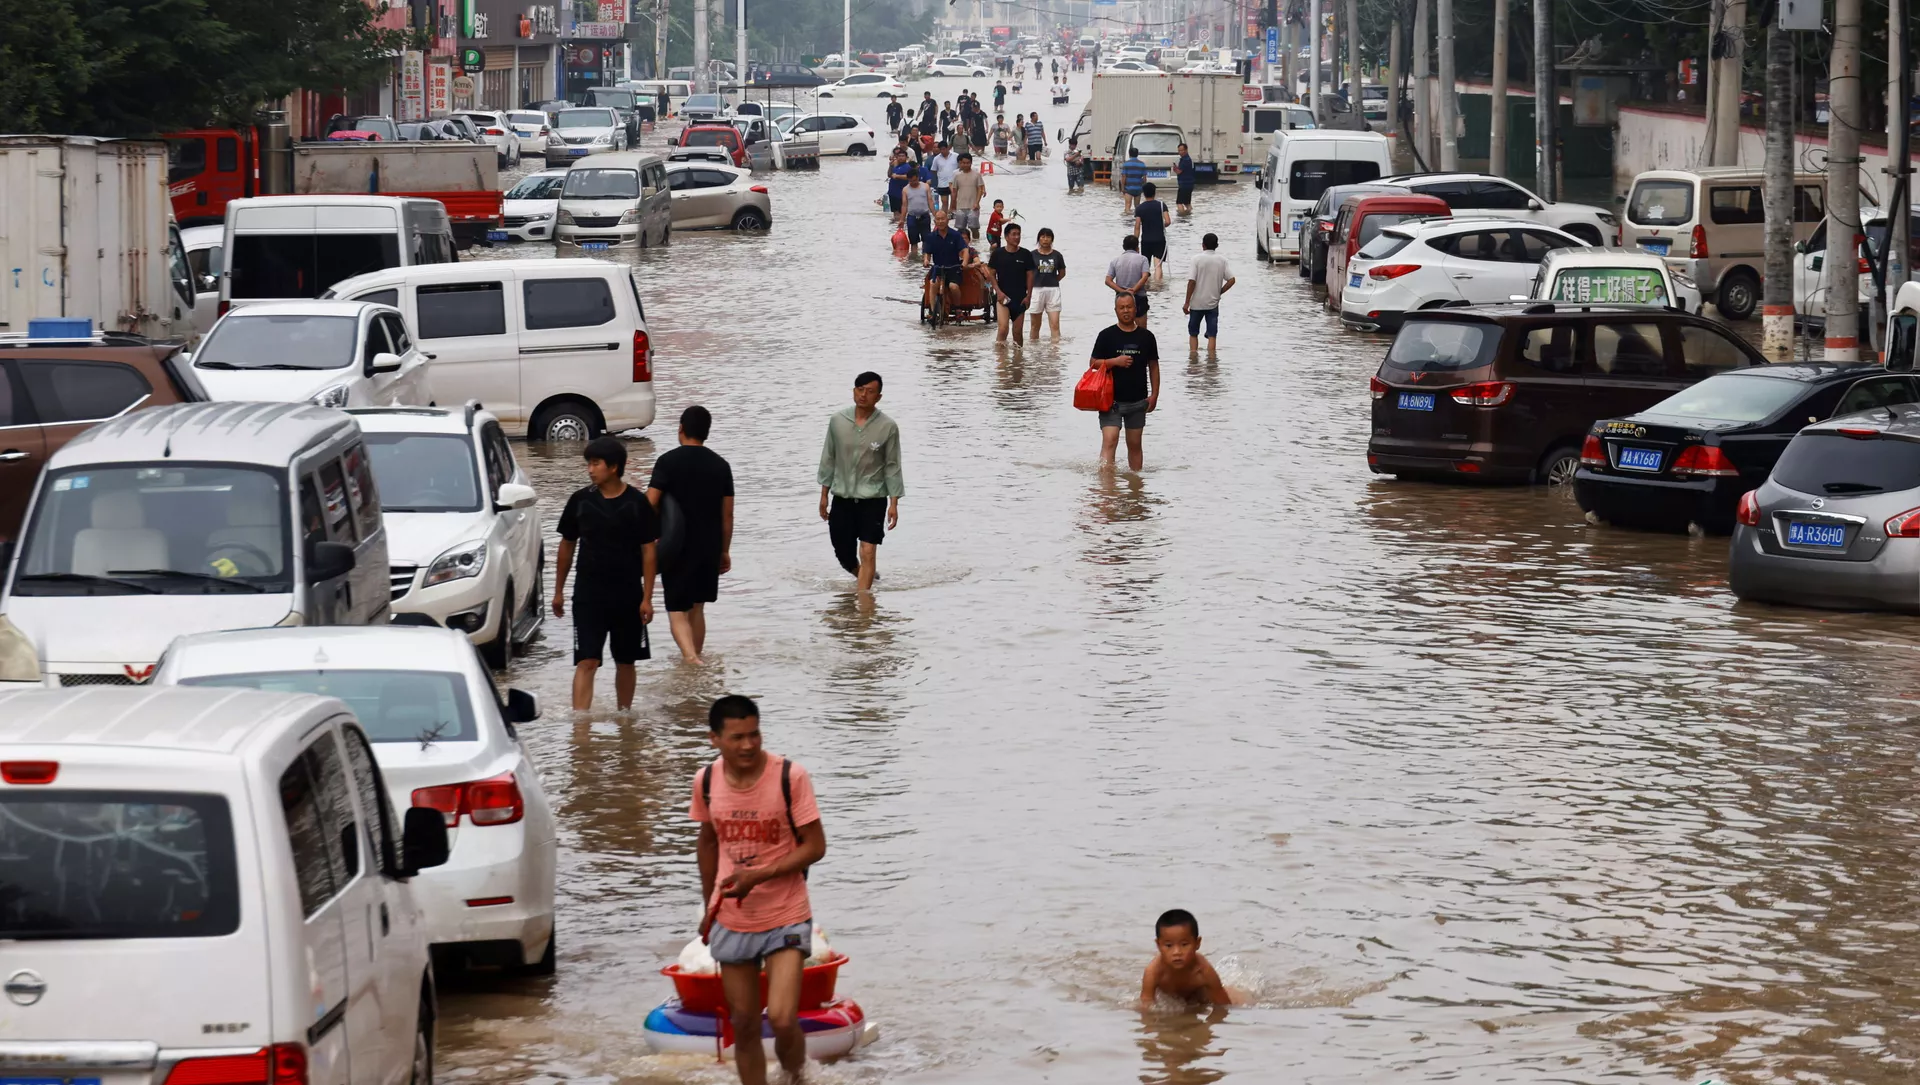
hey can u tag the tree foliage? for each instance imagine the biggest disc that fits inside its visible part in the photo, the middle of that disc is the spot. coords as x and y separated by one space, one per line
813 26
142 67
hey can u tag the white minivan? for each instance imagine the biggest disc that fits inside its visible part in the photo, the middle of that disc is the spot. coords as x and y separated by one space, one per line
188 519
615 199
208 886
286 248
557 350
1302 164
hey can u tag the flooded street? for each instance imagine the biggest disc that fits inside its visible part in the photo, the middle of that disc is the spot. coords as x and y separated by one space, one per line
1458 786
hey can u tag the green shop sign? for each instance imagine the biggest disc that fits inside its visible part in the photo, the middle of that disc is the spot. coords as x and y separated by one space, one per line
1608 284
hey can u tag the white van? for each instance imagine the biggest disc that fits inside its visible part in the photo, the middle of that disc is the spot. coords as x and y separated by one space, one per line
188 519
1300 166
209 885
289 248
678 90
615 199
557 350
1260 120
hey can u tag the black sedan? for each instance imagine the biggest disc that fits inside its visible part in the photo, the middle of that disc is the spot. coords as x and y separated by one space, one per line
1687 459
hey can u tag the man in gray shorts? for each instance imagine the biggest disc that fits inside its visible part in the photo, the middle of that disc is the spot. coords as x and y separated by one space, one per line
1127 350
967 188
759 832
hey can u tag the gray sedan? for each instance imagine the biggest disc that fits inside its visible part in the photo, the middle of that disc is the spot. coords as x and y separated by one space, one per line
708 195
1837 524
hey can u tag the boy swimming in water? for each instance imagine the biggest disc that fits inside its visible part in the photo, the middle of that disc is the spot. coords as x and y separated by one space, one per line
1179 971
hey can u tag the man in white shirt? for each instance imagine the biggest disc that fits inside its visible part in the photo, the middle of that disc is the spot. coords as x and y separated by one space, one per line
1207 280
945 164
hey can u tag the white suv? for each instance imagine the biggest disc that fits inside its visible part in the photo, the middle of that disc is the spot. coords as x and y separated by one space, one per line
463 523
444 740
955 66
1485 194
1444 262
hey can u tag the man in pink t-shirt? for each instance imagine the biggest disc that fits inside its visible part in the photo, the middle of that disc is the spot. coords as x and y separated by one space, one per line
759 832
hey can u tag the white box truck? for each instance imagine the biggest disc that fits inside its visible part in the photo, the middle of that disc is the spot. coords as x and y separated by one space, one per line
1204 106
86 233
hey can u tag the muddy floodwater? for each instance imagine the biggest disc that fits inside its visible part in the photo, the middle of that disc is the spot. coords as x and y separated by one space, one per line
1460 787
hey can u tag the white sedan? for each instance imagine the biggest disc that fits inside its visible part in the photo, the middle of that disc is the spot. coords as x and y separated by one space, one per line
1485 194
532 128
1444 262
1130 67
837 133
528 207
443 740
865 85
497 131
956 66
331 353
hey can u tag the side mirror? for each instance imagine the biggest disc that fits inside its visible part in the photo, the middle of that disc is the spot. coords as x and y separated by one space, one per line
514 495
384 362
328 560
1533 205
1800 247
423 840
522 707
209 283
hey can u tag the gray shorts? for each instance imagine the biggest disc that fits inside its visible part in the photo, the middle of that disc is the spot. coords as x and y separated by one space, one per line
1134 415
964 219
752 947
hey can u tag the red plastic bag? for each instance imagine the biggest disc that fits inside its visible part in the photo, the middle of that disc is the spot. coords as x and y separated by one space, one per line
900 242
1095 391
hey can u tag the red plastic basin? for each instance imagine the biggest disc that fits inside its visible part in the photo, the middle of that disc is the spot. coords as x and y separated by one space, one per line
705 994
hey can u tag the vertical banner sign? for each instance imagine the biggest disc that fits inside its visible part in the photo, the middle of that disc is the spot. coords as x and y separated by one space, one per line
413 87
613 11
1273 45
439 101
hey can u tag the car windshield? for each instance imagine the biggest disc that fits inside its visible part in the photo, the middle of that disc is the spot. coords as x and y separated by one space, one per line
711 137
244 341
602 185
164 528
1434 346
304 264
619 99
585 118
1383 246
531 120
1830 464
703 101
1730 398
538 187
1660 203
1156 142
1372 224
391 705
116 864
424 472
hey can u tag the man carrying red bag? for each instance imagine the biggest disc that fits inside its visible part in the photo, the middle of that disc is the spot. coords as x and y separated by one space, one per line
1129 354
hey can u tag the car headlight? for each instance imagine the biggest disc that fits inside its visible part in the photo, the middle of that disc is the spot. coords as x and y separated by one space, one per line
1607 217
628 218
554 140
604 140
335 396
457 564
563 218
19 662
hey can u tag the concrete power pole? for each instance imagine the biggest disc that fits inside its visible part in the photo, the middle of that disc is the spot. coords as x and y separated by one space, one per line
1844 121
1396 63
740 45
1546 102
702 49
662 12
1449 139
1776 309
1726 86
1313 64
1899 154
1356 86
1422 103
1497 133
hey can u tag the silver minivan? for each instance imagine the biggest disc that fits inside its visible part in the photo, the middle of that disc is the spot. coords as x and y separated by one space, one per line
189 519
615 199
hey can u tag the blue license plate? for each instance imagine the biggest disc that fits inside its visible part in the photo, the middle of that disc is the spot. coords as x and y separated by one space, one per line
1353 280
497 235
1156 173
578 150
593 246
1416 401
1658 248
1640 459
1801 533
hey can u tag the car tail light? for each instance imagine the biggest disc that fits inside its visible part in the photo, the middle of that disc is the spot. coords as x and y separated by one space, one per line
1904 526
1698 249
281 1064
224 306
1748 511
1279 214
1376 387
1860 246
1859 433
1592 454
642 358
29 772
1392 271
493 801
762 189
495 132
1484 394
1702 460
445 799
1325 227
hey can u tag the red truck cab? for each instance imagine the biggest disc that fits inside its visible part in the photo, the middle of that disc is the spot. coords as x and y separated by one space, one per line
206 167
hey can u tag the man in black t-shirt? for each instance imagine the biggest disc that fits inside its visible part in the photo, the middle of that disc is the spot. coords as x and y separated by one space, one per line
1127 351
698 485
614 529
1012 268
1150 221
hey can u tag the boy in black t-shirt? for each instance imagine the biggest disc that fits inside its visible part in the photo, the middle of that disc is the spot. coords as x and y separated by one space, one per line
1150 221
614 529
1012 268
1129 352
699 483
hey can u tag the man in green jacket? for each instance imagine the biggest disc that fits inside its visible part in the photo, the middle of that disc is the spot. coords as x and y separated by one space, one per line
860 471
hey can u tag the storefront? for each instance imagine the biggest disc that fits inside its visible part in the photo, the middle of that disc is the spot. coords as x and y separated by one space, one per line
510 51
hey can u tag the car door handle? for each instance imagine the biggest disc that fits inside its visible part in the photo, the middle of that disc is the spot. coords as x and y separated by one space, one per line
11 455
385 924
569 348
1462 275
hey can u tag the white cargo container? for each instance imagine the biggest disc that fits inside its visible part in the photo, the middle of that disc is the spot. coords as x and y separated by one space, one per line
1205 106
86 233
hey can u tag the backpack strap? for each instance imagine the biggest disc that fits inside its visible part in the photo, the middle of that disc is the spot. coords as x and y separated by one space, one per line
786 792
706 791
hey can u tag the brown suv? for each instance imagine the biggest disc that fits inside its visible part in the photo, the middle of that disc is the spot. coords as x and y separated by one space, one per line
52 389
1507 392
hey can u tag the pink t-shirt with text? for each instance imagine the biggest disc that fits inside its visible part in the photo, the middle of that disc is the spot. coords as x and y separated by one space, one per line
753 830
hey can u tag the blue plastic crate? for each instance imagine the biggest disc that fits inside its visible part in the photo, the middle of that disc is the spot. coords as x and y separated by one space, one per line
60 327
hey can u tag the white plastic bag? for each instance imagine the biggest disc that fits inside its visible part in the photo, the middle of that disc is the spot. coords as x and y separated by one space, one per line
698 960
822 950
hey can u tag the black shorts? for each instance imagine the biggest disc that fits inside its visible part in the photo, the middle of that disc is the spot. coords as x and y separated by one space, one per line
1185 195
609 617
1139 305
694 583
1154 248
949 274
1015 305
862 518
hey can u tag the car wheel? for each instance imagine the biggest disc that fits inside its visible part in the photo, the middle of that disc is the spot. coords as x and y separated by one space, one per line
1739 295
1260 252
545 965
749 219
497 651
422 1071
1558 465
856 150
568 420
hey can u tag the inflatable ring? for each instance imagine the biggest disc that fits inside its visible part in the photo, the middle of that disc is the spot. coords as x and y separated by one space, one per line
836 1029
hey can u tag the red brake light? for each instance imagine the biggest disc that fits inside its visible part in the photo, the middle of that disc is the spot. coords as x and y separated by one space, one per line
495 132
758 188
29 772
1392 271
642 358
1904 526
224 306
1591 452
1484 394
1748 512
445 799
1376 387
1698 249
1859 433
1279 213
1702 460
496 801
281 1064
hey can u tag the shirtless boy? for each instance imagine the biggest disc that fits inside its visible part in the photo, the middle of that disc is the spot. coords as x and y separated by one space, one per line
1179 971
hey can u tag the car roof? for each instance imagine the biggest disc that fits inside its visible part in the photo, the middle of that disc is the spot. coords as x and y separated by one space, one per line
468 269
305 307
203 236
362 647
1395 201
167 717
1427 227
1896 420
420 419
1600 254
223 432
1423 178
1806 372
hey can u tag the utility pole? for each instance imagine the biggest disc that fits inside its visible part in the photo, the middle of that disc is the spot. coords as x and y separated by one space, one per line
1422 104
846 38
1356 86
1449 140
1396 63
1776 298
1546 102
702 49
740 46
1899 155
1497 134
1726 86
1844 117
1313 64
662 13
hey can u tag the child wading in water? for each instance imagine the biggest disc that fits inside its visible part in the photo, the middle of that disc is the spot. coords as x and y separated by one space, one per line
1179 971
